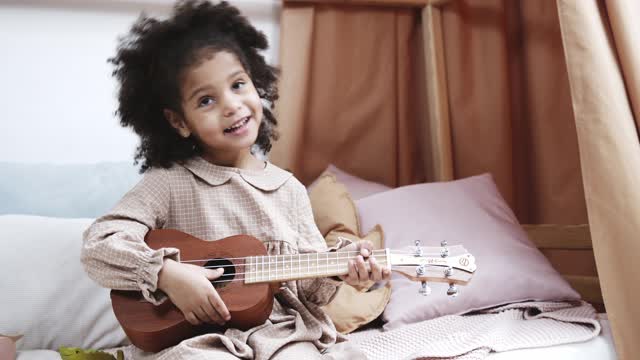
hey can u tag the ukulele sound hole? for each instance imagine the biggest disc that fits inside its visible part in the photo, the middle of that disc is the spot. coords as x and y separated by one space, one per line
228 274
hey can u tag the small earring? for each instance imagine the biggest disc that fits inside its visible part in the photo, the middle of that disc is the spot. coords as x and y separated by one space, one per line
184 133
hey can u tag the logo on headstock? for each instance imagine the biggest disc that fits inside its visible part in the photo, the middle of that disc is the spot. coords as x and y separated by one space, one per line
464 261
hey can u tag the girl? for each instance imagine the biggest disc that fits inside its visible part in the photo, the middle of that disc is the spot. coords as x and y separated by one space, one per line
198 93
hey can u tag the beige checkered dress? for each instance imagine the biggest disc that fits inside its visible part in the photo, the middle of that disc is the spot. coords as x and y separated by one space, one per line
214 202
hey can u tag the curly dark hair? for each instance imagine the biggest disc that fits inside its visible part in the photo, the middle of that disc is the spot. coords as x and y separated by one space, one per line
152 57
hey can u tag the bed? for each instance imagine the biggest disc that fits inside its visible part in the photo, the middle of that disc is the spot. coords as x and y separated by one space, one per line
56 234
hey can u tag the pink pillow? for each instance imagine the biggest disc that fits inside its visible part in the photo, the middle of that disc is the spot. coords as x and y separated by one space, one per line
468 212
357 187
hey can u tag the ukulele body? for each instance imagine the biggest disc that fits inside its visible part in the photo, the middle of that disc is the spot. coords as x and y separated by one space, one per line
157 327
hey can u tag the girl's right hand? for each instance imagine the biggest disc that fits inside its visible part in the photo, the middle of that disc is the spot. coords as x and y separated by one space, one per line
189 288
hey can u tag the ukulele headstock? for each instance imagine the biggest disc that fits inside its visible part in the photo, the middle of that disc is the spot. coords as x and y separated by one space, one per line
447 264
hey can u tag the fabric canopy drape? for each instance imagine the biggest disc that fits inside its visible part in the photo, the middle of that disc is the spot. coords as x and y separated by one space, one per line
602 48
349 95
510 106
353 93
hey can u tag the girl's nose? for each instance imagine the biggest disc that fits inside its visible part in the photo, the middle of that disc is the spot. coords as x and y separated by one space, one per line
232 104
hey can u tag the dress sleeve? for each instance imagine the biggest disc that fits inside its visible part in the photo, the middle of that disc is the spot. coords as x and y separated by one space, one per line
114 253
320 290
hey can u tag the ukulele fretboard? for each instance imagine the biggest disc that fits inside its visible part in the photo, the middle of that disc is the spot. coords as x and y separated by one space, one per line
301 266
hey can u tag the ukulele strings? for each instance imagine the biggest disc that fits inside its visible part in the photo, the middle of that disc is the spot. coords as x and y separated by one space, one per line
381 251
267 278
374 253
273 259
290 271
280 259
282 270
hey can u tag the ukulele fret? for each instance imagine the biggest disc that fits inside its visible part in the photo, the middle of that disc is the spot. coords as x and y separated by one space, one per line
285 265
326 263
269 276
265 276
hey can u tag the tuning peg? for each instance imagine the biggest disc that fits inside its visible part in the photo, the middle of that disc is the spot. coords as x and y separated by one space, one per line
448 271
452 290
445 250
424 289
418 250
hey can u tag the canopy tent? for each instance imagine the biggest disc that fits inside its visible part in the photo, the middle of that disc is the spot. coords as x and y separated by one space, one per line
545 95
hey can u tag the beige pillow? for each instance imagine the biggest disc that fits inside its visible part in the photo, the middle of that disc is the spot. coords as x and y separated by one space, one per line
336 216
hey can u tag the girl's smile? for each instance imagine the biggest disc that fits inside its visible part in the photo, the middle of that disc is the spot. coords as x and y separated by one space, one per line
239 127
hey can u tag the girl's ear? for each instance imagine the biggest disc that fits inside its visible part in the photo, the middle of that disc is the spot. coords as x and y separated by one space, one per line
177 122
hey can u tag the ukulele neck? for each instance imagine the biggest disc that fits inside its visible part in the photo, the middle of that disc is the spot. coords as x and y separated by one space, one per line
278 268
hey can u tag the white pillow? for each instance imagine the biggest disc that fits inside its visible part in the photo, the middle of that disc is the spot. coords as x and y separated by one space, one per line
45 293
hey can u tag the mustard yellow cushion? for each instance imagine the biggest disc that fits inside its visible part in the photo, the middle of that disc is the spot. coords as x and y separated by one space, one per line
333 209
336 216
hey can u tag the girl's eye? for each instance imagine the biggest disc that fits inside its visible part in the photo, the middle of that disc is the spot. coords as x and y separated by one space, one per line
238 85
206 101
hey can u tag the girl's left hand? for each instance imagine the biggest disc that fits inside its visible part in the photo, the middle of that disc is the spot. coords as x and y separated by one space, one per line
358 272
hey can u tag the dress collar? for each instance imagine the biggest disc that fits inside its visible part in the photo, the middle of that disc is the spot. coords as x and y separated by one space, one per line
268 179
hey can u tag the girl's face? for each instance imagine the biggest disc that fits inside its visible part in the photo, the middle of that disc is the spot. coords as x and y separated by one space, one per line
221 108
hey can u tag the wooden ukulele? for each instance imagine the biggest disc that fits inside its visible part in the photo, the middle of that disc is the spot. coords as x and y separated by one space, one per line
251 277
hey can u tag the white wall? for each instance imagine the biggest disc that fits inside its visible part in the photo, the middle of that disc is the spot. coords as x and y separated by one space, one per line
57 97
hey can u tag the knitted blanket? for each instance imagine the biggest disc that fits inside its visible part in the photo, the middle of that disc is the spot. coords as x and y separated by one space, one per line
474 336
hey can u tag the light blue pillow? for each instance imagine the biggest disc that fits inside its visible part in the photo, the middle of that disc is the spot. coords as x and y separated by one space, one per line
65 190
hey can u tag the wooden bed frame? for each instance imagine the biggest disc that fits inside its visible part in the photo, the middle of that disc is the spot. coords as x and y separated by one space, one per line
570 251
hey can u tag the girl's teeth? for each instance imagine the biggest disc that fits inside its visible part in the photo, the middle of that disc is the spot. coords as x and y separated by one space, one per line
235 127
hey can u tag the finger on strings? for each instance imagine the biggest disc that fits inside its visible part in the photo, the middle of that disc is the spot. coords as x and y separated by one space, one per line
366 248
363 273
353 272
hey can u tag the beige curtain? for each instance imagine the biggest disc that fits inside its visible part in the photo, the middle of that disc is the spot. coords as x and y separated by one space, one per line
510 106
349 92
602 47
352 94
